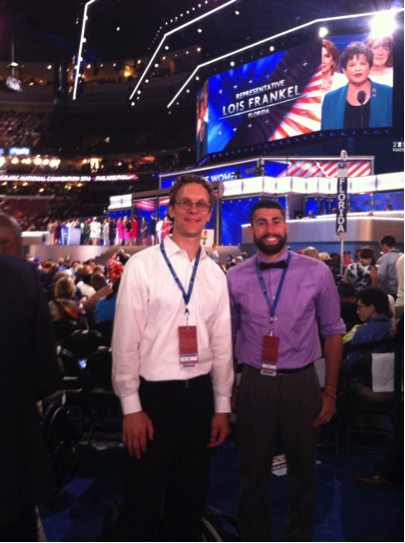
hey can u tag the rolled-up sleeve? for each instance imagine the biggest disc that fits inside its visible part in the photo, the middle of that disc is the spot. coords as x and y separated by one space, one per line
130 320
328 306
221 347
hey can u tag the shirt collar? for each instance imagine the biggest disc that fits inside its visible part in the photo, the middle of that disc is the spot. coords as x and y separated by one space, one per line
172 248
283 256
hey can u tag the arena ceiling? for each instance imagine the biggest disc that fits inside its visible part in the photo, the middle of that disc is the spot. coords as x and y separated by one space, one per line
49 30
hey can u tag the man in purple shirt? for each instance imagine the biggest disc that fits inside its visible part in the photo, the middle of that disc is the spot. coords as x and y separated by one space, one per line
275 312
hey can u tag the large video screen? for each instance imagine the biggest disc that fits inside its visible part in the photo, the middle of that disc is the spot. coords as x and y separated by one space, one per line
339 83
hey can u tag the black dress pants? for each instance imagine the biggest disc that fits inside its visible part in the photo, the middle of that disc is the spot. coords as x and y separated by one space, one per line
165 490
268 406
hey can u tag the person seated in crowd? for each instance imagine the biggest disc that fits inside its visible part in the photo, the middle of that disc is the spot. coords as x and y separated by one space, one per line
311 252
64 306
348 305
102 289
362 274
373 307
84 283
105 308
374 310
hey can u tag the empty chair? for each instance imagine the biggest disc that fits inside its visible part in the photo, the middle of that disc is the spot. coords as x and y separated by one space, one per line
102 398
83 343
106 329
64 328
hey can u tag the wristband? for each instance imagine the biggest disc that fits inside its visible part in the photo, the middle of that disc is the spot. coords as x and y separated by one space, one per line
330 396
330 385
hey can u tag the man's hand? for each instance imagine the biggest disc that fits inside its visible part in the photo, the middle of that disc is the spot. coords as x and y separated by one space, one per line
219 429
327 411
136 428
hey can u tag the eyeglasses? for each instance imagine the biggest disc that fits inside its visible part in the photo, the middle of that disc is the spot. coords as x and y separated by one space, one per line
188 204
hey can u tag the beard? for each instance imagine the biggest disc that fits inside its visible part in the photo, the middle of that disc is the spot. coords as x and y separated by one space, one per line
270 250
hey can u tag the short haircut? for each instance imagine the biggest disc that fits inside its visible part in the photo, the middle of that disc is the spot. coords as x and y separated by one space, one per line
346 289
388 240
367 252
10 234
64 288
98 281
334 53
354 49
265 203
386 41
186 180
376 297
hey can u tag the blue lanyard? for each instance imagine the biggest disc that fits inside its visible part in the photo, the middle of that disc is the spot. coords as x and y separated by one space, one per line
273 307
186 296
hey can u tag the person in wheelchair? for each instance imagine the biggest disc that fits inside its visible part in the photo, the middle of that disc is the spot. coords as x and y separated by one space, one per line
374 310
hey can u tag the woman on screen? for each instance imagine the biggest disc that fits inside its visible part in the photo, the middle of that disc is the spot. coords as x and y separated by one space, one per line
331 78
381 70
361 103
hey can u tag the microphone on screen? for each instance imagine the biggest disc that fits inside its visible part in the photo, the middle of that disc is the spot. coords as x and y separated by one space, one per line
361 97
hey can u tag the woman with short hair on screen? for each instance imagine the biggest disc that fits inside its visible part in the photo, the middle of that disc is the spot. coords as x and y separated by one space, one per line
362 103
331 77
382 70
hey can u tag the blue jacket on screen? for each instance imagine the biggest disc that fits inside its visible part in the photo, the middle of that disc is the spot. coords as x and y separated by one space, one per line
334 104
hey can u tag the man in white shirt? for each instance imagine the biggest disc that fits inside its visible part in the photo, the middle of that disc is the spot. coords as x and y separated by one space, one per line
172 369
387 275
399 304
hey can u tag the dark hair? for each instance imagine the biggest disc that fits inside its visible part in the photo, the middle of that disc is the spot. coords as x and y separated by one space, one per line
367 252
186 180
354 49
335 254
376 297
334 53
346 289
266 204
388 240
386 41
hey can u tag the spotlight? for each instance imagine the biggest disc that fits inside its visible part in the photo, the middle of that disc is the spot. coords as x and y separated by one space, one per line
383 24
199 30
232 63
271 48
323 31
237 12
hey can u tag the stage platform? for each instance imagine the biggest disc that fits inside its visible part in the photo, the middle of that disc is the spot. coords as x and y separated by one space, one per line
102 254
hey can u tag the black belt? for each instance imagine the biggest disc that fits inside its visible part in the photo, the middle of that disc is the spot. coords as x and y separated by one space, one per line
288 371
296 370
180 383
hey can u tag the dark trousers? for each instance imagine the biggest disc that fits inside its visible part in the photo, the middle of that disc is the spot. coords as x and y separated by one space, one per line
23 528
170 481
286 404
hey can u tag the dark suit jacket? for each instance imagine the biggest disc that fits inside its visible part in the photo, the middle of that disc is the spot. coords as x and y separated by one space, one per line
28 373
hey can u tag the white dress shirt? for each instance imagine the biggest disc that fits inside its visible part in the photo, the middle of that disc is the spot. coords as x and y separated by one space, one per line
150 308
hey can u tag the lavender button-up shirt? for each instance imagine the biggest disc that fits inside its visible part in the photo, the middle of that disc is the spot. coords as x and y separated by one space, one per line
308 292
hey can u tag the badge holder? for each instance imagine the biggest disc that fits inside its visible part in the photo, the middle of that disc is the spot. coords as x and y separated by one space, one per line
188 345
270 355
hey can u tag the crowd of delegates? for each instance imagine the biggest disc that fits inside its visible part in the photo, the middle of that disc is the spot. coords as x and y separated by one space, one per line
109 231
85 293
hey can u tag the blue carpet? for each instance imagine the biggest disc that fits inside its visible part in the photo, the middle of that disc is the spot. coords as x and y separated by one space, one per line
345 511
